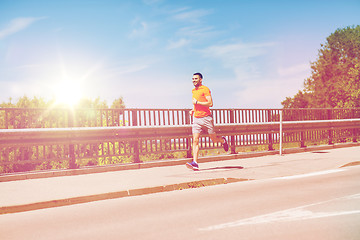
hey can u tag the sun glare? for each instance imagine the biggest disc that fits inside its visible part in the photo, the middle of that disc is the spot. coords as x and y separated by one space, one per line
68 93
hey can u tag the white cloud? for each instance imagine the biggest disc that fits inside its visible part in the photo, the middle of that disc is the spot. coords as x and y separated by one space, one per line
233 53
17 25
299 68
257 82
151 2
115 70
125 69
195 31
192 15
178 10
239 57
178 44
140 28
269 91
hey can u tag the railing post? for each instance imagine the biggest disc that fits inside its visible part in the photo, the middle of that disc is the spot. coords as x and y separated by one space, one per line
188 139
281 132
270 135
72 159
304 116
6 119
135 143
330 132
302 140
354 131
232 137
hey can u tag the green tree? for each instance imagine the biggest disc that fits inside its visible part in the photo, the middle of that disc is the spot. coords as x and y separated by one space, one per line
300 100
89 103
26 102
38 113
118 103
335 77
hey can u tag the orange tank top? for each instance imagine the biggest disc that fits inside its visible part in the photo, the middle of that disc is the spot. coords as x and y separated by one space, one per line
200 95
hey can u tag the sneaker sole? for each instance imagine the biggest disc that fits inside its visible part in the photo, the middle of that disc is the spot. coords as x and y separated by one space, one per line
189 166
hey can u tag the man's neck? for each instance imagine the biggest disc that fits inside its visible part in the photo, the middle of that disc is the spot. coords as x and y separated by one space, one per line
197 87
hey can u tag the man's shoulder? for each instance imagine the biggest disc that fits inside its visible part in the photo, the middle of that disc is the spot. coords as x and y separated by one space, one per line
205 89
202 87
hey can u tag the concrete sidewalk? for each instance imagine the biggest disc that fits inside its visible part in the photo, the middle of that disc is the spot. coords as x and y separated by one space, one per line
32 194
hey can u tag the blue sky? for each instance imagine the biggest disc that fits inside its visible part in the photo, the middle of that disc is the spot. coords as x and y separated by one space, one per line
253 54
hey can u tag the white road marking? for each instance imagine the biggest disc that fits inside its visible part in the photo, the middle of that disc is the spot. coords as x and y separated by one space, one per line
311 174
282 216
293 214
355 196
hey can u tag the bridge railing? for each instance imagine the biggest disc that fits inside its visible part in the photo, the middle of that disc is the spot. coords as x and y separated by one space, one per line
45 139
14 118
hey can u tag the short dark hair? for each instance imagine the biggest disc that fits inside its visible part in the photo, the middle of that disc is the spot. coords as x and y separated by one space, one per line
199 74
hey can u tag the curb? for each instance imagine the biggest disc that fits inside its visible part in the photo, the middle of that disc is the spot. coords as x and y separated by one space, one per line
351 164
116 195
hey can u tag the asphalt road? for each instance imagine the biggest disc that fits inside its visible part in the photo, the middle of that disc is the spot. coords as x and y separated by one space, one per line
321 205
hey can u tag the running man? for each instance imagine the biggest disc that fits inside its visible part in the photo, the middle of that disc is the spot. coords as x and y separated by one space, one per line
203 121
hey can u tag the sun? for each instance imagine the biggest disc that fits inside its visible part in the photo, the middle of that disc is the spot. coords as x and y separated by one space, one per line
68 93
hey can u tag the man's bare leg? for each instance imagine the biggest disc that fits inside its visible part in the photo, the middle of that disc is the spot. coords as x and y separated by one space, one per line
217 139
196 137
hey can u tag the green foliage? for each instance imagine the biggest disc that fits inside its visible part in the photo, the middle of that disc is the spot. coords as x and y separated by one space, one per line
335 79
88 103
38 113
300 100
25 102
118 103
38 102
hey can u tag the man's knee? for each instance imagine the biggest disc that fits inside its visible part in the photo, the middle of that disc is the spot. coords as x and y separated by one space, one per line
196 139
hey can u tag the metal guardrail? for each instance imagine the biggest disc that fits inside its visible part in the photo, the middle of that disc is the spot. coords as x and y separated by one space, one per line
112 135
22 137
134 135
15 118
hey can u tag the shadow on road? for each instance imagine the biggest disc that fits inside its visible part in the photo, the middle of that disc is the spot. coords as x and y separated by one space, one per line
223 168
